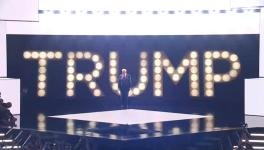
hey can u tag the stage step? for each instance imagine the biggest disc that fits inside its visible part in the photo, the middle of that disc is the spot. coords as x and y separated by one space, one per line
256 138
11 147
253 148
2 135
7 139
258 147
254 141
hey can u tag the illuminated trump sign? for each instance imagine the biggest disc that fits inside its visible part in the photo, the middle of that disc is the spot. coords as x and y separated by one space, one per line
161 64
179 73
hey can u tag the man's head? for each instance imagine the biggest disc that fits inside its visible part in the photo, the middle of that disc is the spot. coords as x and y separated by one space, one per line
124 71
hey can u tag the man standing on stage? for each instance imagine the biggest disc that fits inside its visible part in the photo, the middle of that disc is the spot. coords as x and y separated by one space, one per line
124 85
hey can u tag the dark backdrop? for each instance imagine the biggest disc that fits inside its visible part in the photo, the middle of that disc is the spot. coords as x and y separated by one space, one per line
227 105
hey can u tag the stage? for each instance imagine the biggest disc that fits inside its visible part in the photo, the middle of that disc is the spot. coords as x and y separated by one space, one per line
130 116
122 125
128 129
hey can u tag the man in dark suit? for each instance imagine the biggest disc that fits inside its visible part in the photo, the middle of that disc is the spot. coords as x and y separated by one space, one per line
124 85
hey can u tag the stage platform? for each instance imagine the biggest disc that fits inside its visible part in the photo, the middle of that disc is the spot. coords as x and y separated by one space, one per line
130 116
122 125
129 129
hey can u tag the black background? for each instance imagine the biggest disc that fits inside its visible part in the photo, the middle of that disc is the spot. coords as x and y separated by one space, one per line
227 105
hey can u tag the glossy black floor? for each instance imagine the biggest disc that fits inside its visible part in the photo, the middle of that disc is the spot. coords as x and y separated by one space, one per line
211 132
189 134
48 140
122 132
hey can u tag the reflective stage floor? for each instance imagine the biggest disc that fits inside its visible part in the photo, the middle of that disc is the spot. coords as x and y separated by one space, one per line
130 129
123 125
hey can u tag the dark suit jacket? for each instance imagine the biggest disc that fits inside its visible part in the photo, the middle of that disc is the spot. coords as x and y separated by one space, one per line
124 84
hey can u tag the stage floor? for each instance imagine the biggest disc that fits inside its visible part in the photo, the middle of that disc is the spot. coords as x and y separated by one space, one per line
128 124
129 116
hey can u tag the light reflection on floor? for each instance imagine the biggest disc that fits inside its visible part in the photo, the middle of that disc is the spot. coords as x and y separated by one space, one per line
121 124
